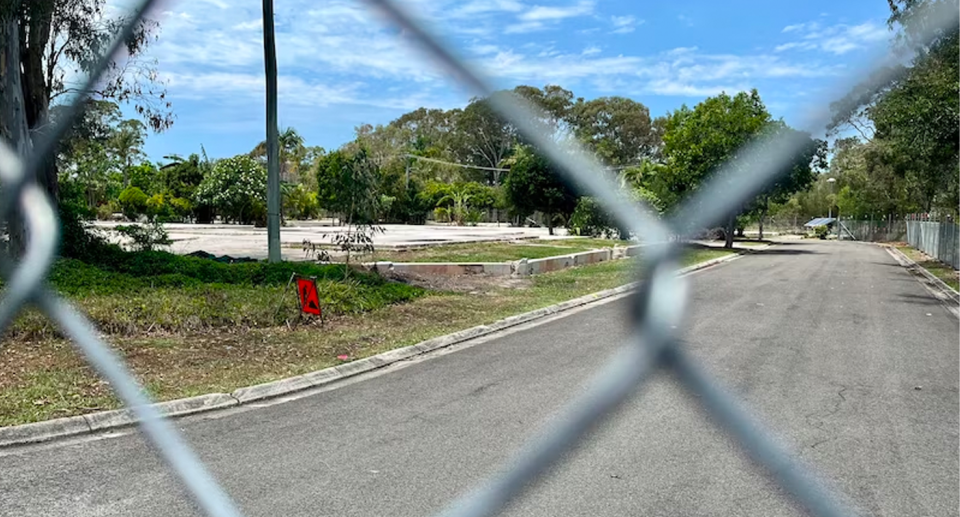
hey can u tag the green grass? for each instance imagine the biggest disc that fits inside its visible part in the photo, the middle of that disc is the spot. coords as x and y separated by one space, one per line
940 270
585 243
44 378
492 251
159 292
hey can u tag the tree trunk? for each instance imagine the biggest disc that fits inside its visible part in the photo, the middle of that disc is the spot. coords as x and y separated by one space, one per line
13 121
728 243
34 37
763 214
549 223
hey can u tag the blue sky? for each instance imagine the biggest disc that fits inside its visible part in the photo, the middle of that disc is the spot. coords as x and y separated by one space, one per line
340 66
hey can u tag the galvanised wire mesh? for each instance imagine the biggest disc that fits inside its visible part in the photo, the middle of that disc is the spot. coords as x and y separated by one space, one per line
658 303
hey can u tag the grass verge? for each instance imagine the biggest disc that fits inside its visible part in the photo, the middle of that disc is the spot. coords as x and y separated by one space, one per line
940 270
140 293
44 377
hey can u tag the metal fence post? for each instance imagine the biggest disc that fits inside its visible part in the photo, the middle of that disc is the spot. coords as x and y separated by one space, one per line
273 147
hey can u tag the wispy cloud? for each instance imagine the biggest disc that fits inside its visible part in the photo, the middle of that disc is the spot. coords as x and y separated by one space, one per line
476 7
624 24
539 18
341 64
541 13
835 39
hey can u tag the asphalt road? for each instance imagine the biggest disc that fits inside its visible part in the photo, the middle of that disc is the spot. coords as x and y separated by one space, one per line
828 342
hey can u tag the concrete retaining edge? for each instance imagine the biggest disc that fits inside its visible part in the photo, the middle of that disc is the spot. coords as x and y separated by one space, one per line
522 267
119 418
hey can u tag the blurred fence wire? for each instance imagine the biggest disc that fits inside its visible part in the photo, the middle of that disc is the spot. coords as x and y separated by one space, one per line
658 302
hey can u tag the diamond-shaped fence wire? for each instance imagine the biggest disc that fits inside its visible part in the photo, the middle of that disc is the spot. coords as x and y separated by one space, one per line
658 302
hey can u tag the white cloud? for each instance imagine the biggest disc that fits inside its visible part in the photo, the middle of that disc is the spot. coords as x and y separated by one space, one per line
835 39
799 27
680 89
487 6
625 24
339 53
540 13
249 25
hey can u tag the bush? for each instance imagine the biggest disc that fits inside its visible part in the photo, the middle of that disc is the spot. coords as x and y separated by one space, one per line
821 232
589 219
300 203
105 211
473 216
237 189
126 303
79 241
158 208
160 268
133 202
181 208
145 237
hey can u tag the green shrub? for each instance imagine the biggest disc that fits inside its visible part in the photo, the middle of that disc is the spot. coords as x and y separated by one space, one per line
145 237
78 240
473 216
589 219
181 208
300 203
105 211
133 202
157 207
821 232
237 189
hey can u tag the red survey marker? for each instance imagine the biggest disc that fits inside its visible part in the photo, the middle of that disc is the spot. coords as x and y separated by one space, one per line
309 298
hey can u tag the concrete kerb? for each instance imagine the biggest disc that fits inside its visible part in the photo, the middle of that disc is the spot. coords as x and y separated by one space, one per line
522 267
114 419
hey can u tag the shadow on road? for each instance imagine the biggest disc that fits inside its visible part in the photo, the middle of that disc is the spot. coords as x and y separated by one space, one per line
918 299
776 250
781 251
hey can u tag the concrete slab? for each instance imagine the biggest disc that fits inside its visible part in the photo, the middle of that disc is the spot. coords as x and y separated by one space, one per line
248 241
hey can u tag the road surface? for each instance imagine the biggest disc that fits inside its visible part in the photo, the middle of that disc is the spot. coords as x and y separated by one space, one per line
837 348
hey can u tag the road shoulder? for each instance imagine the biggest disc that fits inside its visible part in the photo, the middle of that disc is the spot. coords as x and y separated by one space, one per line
936 287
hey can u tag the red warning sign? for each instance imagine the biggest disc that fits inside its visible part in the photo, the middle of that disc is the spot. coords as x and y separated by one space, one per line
309 298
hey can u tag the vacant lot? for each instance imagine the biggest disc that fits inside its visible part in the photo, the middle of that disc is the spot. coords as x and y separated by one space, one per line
492 251
193 349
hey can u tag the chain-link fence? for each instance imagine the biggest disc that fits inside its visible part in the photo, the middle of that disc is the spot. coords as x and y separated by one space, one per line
658 303
889 229
939 239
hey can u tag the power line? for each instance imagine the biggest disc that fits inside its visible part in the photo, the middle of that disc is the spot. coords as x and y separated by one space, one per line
433 160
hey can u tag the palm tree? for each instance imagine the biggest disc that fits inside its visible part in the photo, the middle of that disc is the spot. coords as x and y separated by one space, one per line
127 143
460 198
291 149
